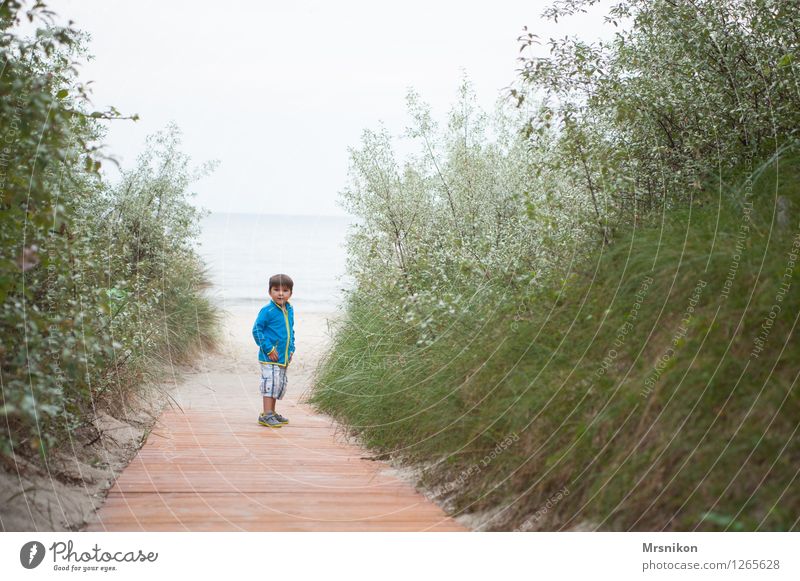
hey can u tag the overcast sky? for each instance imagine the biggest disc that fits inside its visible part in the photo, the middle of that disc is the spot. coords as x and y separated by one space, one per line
277 91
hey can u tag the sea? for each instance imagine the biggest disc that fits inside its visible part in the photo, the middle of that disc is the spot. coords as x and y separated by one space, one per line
242 251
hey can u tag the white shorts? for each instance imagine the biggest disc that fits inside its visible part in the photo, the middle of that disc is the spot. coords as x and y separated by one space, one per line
273 381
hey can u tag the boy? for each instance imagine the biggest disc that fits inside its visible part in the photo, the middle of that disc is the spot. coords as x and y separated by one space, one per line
274 334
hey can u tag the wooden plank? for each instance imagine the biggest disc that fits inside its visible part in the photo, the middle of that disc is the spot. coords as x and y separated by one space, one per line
209 466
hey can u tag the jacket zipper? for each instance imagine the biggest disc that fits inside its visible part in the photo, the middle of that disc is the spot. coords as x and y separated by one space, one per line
288 333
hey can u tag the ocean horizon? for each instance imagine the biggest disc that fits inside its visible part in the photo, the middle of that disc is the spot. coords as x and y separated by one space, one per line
242 251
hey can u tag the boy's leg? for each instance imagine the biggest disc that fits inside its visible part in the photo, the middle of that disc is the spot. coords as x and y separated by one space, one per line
268 396
281 390
278 389
267 388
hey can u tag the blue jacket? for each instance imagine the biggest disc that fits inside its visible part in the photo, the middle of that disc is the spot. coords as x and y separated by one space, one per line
274 331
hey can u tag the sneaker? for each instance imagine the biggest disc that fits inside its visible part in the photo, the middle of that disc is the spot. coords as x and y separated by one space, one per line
280 418
269 420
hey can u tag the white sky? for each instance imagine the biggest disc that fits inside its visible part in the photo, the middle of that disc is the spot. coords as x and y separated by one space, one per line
277 91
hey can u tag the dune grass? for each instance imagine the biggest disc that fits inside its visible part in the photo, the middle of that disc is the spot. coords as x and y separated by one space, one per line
650 381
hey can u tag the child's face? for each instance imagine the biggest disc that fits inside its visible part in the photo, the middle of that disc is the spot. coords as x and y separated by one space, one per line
280 294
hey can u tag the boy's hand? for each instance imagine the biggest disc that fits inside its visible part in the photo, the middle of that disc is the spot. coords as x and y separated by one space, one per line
273 356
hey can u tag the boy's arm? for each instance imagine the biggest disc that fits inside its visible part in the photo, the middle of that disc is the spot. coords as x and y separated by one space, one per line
264 337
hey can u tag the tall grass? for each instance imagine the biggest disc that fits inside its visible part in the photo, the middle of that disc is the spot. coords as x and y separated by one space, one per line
99 284
632 379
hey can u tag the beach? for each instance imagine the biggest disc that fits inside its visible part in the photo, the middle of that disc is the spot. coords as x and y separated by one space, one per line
209 466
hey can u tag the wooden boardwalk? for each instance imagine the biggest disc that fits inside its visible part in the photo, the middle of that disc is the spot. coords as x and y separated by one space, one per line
211 467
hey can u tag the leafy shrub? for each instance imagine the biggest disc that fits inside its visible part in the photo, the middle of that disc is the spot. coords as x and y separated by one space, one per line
497 272
97 282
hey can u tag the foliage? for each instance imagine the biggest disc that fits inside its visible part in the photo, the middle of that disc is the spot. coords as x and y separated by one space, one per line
684 92
452 220
96 282
523 283
601 383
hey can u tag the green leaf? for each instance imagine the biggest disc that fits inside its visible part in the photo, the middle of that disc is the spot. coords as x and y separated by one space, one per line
62 94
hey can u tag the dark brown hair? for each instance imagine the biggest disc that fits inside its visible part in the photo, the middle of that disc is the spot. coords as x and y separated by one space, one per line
281 280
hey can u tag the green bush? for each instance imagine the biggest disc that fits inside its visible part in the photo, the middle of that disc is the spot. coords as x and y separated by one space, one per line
590 298
572 376
97 283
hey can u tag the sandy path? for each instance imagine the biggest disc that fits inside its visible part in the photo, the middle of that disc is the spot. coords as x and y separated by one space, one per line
208 465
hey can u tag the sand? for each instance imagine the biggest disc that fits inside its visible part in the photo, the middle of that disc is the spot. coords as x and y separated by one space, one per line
64 493
84 487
